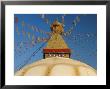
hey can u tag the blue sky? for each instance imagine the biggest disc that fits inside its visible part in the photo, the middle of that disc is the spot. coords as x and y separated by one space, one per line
82 40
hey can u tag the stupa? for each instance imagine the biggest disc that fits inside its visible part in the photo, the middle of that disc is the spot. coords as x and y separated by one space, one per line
56 59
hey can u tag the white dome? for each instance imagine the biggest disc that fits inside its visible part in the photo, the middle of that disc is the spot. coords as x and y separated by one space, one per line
57 66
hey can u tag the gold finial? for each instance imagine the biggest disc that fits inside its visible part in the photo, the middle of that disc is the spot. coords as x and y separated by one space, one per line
57 27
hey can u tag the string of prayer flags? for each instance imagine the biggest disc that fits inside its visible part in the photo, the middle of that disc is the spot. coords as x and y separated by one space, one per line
33 27
76 20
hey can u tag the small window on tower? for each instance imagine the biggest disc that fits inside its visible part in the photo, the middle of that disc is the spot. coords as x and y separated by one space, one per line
54 55
59 55
50 55
63 55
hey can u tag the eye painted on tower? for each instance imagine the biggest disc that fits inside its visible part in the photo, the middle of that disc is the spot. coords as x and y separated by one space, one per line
57 27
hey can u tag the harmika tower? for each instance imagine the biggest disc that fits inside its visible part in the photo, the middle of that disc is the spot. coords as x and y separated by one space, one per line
56 46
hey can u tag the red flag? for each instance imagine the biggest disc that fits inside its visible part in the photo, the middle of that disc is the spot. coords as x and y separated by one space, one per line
16 20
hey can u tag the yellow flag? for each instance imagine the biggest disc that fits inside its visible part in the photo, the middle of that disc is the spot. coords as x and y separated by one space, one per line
17 30
33 38
32 27
38 39
23 24
29 35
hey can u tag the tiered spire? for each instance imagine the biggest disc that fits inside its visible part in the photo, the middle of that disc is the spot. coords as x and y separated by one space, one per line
56 46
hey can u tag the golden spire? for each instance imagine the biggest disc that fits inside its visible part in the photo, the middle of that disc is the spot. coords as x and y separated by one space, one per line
56 41
56 46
